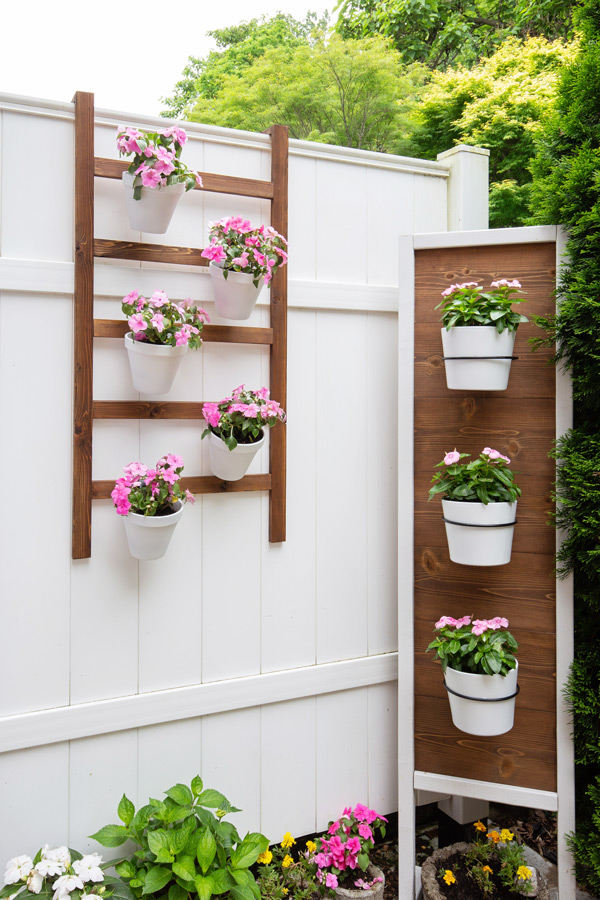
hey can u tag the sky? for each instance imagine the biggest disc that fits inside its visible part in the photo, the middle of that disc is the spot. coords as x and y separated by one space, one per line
128 54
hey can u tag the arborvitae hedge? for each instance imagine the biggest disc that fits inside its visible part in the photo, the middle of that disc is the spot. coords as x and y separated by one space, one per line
566 191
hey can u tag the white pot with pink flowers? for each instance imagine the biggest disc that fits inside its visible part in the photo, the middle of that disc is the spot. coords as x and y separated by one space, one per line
342 855
161 333
479 333
479 506
156 179
236 430
151 502
242 258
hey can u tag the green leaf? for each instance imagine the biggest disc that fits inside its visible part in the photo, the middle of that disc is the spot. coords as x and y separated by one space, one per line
158 840
241 892
111 835
185 868
165 856
126 869
181 794
176 892
363 860
178 837
142 817
177 814
118 888
220 881
246 853
206 849
11 890
214 799
197 783
203 887
156 878
125 810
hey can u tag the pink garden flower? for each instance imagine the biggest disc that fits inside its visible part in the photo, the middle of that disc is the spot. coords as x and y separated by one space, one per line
452 457
479 626
137 323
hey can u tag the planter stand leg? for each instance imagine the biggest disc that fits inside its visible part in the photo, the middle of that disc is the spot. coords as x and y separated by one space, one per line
456 817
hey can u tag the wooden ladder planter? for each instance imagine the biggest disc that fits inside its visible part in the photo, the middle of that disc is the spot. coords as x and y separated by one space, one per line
86 328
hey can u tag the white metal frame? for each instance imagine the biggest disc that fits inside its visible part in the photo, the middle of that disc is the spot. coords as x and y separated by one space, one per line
563 801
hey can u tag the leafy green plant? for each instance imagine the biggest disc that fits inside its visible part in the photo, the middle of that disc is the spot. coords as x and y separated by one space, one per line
478 646
185 849
486 479
466 304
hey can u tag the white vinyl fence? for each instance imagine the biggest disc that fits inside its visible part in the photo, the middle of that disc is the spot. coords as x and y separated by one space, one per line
268 669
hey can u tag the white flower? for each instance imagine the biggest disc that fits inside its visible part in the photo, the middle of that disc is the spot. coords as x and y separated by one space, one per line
65 884
88 867
54 862
35 881
18 869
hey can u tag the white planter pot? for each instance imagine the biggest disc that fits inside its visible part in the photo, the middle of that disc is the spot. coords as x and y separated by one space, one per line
374 893
153 212
484 372
231 465
153 366
479 535
235 297
487 702
149 536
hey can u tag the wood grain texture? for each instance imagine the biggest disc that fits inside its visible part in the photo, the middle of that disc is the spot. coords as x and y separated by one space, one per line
519 422
278 356
141 409
154 253
201 484
223 334
82 330
221 184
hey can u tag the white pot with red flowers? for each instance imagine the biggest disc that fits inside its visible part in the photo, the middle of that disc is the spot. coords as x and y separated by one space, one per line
156 179
479 506
479 334
151 502
236 430
480 672
342 855
242 258
161 333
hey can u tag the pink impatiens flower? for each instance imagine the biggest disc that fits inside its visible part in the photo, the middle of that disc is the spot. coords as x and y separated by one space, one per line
137 323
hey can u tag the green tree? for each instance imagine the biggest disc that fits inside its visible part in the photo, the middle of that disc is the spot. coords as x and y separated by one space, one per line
239 45
352 93
498 104
566 191
442 33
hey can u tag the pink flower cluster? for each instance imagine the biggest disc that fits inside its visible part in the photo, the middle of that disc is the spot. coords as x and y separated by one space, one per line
459 287
258 408
494 454
157 320
239 246
156 156
151 489
350 836
454 456
502 282
479 626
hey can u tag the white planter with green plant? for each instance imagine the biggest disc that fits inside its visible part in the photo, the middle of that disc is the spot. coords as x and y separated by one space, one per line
480 672
235 428
156 179
161 333
479 507
242 258
479 334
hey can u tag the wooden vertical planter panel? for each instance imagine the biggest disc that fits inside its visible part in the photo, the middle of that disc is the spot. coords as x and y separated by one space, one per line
520 422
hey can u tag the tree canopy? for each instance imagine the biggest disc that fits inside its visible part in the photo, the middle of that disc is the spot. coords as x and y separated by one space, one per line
239 45
344 92
441 33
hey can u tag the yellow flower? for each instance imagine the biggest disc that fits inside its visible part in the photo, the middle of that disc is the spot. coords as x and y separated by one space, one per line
480 826
449 877
284 891
311 846
287 861
486 869
493 836
524 872
506 835
265 858
288 841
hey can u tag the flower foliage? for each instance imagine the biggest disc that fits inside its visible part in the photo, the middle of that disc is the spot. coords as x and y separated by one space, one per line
238 246
478 646
185 849
60 874
343 854
494 864
151 492
156 158
285 872
486 479
157 320
239 419
467 304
